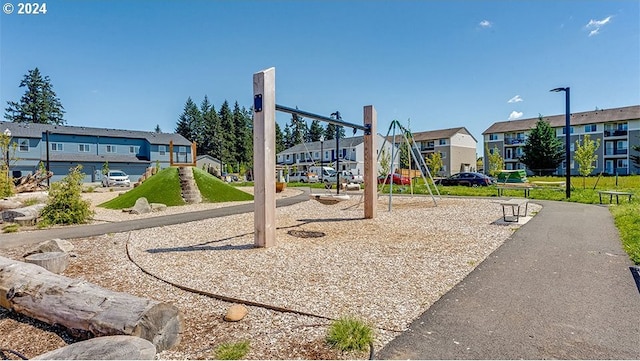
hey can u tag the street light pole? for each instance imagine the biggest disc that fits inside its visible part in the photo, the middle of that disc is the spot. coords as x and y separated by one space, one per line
567 132
7 133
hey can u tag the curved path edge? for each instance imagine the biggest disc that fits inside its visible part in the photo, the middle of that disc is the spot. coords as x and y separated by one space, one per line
8 240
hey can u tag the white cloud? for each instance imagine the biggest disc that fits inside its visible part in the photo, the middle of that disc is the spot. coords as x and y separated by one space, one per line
515 115
595 25
515 99
485 24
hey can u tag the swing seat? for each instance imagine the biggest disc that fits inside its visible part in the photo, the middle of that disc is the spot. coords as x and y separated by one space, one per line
330 199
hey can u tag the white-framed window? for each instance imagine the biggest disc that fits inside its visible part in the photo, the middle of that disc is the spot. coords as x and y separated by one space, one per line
162 149
133 149
84 147
316 155
443 155
443 141
572 147
564 130
589 128
564 164
621 146
111 148
493 136
56 147
288 156
23 145
326 154
622 163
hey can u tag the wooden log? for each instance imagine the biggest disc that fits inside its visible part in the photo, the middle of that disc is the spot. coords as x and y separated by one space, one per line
104 348
55 262
86 309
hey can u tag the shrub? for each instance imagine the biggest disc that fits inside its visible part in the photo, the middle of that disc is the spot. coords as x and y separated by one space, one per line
232 351
11 228
65 204
6 183
349 334
30 201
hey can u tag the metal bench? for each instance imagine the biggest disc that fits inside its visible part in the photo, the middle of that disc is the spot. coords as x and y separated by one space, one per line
614 193
516 205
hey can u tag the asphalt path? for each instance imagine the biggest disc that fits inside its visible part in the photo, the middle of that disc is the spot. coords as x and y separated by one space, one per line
560 288
8 240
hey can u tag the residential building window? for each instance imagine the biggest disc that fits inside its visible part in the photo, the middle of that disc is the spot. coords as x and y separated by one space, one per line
326 154
133 149
622 163
564 130
564 164
23 145
288 156
590 128
519 152
621 147
162 149
316 155
493 136
443 141
572 147
111 149
84 147
56 147
443 155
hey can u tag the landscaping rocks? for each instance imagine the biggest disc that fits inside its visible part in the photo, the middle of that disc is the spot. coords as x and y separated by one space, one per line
236 313
30 211
104 348
142 206
158 207
55 262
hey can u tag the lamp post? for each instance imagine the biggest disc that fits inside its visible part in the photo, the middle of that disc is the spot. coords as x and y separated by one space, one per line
321 158
7 133
567 132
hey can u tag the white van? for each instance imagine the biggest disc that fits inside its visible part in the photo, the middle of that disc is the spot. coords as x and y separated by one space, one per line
322 172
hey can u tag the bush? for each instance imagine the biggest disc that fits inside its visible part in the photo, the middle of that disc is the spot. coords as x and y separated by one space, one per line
65 204
6 183
232 351
349 334
10 228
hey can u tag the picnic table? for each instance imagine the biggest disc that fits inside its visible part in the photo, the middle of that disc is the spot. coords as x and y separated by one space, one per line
526 187
614 193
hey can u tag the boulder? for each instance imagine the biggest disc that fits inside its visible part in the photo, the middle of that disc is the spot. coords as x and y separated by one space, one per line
236 313
104 348
158 207
9 204
55 245
142 206
55 262
30 211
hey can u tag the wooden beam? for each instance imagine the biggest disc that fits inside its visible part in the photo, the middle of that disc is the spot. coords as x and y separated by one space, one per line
370 163
264 157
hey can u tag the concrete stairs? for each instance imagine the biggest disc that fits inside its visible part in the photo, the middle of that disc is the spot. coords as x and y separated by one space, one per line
190 191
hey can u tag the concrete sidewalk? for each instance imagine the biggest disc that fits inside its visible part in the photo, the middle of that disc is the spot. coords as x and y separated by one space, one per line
8 240
560 287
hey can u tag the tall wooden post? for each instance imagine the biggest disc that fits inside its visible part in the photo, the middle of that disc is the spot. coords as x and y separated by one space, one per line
370 163
264 157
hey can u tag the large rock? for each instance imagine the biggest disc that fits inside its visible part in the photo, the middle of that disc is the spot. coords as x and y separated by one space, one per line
55 262
30 211
142 206
9 204
158 207
54 245
236 313
104 348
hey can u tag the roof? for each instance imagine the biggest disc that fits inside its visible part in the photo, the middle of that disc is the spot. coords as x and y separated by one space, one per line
36 130
437 134
597 116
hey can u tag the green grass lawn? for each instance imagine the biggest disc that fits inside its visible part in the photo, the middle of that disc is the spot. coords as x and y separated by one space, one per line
164 187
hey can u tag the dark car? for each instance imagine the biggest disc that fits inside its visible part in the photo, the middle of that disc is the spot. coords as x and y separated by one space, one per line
469 179
397 179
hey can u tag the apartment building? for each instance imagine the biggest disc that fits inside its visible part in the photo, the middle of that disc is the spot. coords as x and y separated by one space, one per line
350 154
64 147
618 130
457 148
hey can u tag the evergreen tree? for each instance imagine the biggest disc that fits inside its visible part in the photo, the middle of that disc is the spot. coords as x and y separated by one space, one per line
316 131
39 104
189 120
209 129
280 146
228 135
299 131
243 135
157 129
635 158
330 132
288 138
543 151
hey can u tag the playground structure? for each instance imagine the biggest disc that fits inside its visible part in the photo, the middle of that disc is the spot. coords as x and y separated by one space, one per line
264 157
414 154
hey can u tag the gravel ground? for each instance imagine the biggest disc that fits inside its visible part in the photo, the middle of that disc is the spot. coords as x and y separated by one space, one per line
385 271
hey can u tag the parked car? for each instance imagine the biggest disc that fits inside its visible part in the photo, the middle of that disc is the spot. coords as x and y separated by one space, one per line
116 178
469 179
350 177
304 177
397 179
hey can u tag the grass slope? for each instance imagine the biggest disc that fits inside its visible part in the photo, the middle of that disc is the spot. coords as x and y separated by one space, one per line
214 190
627 219
163 187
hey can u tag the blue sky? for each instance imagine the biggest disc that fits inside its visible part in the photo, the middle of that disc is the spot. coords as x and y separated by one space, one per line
131 64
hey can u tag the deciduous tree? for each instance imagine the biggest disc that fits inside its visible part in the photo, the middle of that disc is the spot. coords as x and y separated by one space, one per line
586 156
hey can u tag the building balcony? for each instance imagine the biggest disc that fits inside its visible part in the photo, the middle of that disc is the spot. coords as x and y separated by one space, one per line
427 148
514 141
618 151
615 133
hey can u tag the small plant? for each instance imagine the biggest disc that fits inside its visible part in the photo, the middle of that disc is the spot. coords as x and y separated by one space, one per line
349 334
65 204
89 189
232 351
30 201
11 228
